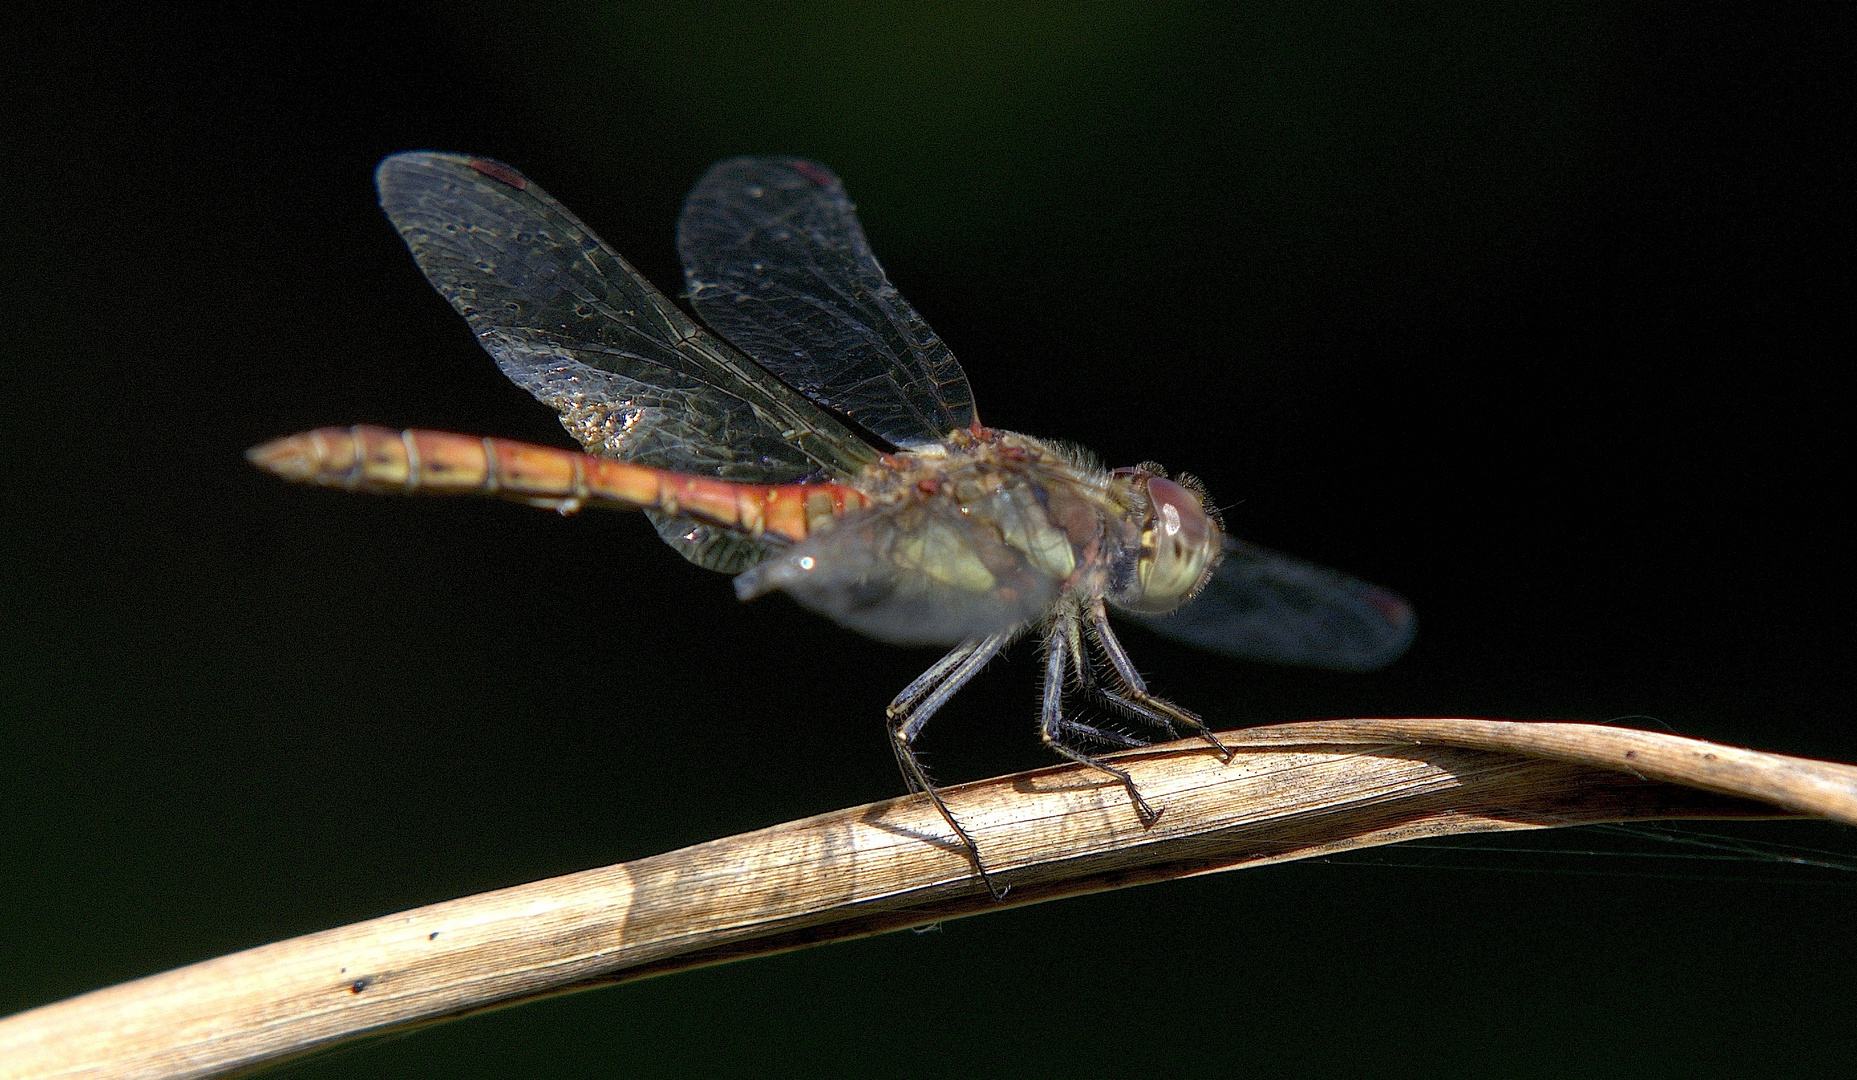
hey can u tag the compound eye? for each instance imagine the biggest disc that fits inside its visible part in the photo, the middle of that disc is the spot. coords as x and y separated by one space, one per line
1178 547
1177 514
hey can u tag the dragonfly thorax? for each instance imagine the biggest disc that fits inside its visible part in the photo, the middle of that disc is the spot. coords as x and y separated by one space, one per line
1133 537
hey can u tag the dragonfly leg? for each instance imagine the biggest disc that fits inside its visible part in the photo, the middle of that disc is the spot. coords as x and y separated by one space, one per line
1069 629
930 679
1135 697
1093 733
1072 629
1083 664
912 708
1052 726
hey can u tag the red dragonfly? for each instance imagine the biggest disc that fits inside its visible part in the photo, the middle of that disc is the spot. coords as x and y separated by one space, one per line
818 438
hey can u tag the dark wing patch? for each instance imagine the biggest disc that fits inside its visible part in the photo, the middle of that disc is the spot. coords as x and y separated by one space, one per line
1262 605
776 262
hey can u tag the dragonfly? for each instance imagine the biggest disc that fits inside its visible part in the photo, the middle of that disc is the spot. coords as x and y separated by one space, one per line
814 436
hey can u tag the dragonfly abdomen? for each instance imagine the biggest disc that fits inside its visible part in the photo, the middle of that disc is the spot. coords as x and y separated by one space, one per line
413 461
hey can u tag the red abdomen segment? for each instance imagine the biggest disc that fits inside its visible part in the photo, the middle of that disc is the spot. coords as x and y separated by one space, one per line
366 458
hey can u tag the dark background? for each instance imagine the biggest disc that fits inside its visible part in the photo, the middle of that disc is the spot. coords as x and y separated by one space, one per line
1530 315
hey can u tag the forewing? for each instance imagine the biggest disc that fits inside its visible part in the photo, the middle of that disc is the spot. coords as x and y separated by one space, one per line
775 261
1262 605
916 573
572 323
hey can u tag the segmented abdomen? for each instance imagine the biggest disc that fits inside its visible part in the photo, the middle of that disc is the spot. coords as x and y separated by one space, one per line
367 458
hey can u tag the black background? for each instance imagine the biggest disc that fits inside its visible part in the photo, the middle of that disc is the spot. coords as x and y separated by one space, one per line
1532 316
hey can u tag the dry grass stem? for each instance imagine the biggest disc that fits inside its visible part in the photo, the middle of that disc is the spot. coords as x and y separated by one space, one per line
1290 792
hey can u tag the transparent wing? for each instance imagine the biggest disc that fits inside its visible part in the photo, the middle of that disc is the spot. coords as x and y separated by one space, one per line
915 573
572 323
775 261
709 547
1261 605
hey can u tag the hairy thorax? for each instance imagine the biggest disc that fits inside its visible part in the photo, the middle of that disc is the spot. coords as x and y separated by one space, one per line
1052 503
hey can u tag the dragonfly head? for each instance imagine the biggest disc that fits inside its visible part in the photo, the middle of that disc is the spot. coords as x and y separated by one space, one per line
1180 545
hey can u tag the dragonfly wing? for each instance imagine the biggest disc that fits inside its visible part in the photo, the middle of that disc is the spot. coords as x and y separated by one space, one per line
914 573
775 261
571 322
710 547
1262 605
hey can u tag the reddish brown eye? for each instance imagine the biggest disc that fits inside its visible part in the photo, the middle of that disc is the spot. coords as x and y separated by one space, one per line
1177 514
1179 546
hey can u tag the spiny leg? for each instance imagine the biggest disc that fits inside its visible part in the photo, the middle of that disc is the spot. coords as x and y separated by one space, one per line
1072 628
915 705
924 697
1136 691
1067 631
930 679
1119 701
1052 725
1083 665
